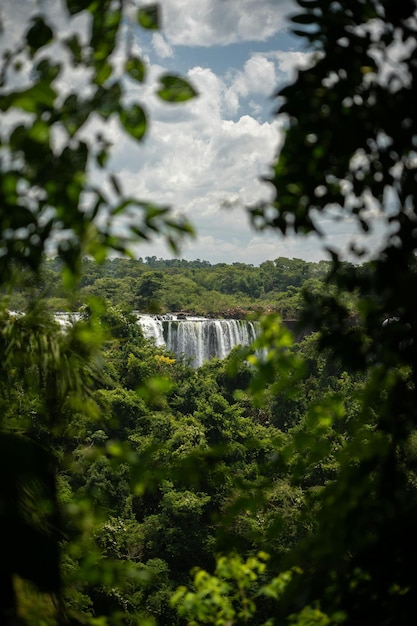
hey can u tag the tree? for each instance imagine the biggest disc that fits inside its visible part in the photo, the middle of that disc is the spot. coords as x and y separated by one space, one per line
349 150
47 188
350 143
56 194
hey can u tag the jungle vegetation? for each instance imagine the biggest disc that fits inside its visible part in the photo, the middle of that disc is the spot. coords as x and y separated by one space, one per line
163 285
273 490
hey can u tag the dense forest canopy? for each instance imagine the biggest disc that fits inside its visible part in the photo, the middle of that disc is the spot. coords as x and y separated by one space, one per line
277 486
196 287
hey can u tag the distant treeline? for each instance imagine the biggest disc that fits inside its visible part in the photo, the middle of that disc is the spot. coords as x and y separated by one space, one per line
161 285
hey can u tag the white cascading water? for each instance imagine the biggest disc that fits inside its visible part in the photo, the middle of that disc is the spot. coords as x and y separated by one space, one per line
152 329
66 319
198 339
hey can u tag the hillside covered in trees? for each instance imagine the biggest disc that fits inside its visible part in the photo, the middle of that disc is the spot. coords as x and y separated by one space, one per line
197 287
160 467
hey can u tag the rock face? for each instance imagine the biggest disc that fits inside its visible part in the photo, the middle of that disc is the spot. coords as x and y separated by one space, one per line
198 339
234 314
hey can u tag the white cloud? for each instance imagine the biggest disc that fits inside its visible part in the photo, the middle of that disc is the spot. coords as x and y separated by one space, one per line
257 77
259 73
220 22
195 155
161 46
260 76
212 151
196 160
289 61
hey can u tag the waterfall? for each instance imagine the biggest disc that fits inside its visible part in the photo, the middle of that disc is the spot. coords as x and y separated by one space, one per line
152 329
66 319
197 339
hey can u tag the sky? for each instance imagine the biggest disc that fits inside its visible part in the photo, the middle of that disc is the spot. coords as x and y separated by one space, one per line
206 158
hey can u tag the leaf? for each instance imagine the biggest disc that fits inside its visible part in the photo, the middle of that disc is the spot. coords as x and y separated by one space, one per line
302 33
175 89
115 184
40 96
47 71
73 44
134 121
104 70
40 132
148 17
102 158
105 29
304 18
308 4
76 6
107 100
39 34
17 137
136 69
29 515
74 113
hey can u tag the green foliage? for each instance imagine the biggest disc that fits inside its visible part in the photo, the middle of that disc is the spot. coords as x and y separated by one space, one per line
148 17
122 468
229 596
29 533
49 202
159 286
43 189
175 89
346 149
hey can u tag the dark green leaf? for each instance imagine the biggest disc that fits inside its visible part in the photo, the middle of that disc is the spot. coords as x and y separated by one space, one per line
8 186
104 71
136 68
74 45
302 33
148 17
74 112
175 89
308 4
76 6
115 184
38 97
304 18
122 206
17 137
102 157
48 71
40 132
107 100
75 160
29 513
134 121
39 34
